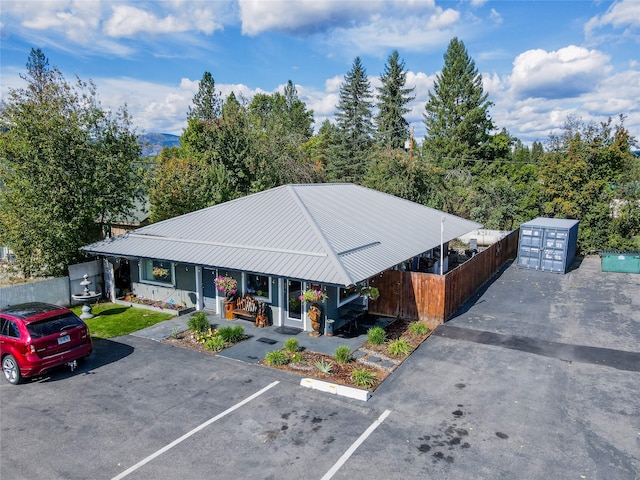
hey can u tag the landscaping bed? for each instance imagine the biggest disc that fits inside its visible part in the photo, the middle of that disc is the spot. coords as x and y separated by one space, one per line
371 363
375 358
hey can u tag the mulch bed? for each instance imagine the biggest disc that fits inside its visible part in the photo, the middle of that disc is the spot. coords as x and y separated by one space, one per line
374 358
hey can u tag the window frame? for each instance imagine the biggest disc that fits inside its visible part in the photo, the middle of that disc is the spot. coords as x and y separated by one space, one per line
142 272
245 285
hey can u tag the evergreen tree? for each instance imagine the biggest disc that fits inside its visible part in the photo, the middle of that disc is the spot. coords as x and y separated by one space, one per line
348 158
393 96
299 120
456 115
207 103
67 167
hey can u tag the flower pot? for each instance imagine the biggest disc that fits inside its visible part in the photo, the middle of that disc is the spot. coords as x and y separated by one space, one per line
229 306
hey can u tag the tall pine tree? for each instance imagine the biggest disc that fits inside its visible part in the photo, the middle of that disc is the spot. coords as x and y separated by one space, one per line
393 97
456 115
348 159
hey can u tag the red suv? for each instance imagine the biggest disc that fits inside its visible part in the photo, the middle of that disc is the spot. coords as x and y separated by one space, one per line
35 337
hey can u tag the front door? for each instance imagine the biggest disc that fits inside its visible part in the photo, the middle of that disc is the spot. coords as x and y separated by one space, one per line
293 318
209 289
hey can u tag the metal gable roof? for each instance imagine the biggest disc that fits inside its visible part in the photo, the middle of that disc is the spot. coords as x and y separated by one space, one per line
329 233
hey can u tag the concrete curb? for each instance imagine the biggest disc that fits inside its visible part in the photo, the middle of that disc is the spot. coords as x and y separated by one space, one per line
336 389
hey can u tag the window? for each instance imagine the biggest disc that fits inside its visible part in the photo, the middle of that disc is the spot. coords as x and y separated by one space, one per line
156 271
52 326
348 294
9 329
259 286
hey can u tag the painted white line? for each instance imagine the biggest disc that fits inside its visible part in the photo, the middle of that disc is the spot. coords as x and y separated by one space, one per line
192 432
341 461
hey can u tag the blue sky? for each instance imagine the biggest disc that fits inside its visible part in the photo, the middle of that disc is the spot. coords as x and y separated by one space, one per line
541 61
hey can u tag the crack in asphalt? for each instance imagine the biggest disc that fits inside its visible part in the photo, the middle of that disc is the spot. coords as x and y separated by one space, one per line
619 359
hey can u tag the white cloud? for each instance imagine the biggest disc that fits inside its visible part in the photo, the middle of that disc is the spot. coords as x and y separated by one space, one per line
128 21
624 14
258 16
76 20
495 16
567 72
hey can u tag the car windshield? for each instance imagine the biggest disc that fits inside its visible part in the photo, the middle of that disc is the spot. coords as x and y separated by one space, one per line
54 325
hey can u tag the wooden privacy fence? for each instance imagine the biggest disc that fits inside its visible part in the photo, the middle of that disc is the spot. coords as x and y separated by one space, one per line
428 296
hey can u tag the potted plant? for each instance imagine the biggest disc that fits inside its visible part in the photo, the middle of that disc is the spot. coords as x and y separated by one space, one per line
370 293
228 286
314 296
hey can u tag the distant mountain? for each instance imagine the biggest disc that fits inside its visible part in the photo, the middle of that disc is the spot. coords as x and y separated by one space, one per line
153 143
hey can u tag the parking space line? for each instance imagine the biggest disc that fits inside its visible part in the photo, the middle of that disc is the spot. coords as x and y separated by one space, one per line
341 461
192 432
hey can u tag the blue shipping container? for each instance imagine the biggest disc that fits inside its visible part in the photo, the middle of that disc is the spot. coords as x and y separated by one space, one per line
547 244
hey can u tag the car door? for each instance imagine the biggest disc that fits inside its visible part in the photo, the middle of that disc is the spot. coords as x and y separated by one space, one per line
9 337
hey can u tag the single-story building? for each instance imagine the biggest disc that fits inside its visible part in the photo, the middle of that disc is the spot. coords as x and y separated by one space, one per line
279 243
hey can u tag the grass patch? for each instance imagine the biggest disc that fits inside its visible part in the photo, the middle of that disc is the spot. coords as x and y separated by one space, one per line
114 320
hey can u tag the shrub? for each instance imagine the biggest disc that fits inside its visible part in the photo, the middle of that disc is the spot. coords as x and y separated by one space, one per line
276 358
399 347
377 335
343 354
202 337
324 367
215 343
199 322
418 328
292 345
231 334
363 378
296 358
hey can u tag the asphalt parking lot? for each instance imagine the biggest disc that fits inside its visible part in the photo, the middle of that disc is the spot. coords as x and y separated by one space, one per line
537 377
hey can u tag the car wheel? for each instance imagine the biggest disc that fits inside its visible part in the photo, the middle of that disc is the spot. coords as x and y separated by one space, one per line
11 370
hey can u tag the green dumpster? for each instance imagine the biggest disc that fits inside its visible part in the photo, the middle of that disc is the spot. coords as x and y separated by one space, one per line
624 262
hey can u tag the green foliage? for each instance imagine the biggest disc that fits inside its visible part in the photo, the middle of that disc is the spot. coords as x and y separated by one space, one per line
456 114
296 358
68 169
585 171
418 328
215 343
178 185
292 345
348 153
323 366
399 347
393 96
207 103
231 334
198 322
276 358
377 335
364 378
342 354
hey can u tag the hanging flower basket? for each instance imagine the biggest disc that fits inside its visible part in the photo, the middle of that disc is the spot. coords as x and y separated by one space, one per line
313 296
227 285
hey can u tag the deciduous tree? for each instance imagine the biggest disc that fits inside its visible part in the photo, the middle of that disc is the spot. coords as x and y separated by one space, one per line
67 166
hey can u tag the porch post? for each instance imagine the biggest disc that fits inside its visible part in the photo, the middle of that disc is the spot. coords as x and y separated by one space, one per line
199 288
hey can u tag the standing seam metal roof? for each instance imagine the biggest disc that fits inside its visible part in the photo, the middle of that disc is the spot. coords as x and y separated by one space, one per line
336 234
